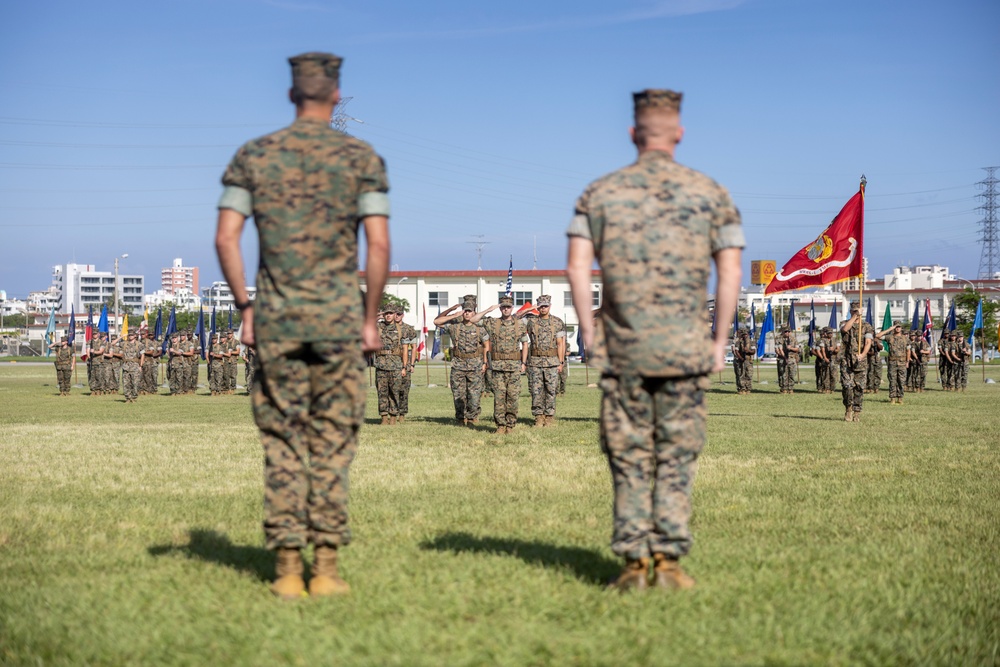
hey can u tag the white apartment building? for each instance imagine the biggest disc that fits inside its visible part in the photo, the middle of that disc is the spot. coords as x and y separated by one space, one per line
183 299
80 286
219 295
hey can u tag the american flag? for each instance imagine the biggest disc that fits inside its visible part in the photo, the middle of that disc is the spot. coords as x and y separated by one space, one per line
510 277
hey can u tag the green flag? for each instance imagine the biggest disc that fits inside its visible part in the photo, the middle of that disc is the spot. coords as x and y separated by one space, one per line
886 323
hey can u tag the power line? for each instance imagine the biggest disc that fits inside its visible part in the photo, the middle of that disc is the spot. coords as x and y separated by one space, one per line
989 258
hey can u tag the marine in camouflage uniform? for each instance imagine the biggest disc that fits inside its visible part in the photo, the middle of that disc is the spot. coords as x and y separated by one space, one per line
921 355
250 360
231 361
854 367
835 350
309 188
743 355
470 344
192 354
389 368
899 359
65 362
408 352
150 364
112 366
176 365
508 360
216 365
821 365
654 228
546 357
963 354
96 358
874 378
945 362
789 351
564 369
132 352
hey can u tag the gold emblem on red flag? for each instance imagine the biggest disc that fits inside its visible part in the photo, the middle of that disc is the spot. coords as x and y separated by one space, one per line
820 249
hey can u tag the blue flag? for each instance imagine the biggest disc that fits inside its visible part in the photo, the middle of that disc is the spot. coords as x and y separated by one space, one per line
833 317
230 316
579 344
736 322
978 324
915 324
436 348
949 322
868 315
792 324
72 325
102 323
158 327
766 328
200 331
753 322
50 332
510 277
171 328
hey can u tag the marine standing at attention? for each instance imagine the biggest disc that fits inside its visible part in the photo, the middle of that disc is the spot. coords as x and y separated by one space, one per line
470 345
508 360
655 227
309 188
546 358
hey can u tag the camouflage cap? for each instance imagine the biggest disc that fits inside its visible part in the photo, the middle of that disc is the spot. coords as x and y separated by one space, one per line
855 307
506 300
897 323
472 298
398 309
543 300
469 304
316 64
654 98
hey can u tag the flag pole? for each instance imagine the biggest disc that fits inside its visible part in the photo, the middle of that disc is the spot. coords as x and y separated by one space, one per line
861 280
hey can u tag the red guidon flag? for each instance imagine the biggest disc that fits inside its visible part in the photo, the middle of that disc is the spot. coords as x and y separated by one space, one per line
835 255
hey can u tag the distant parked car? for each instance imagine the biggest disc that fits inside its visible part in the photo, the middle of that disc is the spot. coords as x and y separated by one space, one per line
729 357
990 355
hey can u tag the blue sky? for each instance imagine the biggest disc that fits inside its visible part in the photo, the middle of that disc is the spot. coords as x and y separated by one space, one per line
117 119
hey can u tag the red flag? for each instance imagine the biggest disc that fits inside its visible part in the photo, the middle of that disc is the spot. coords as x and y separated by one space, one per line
526 309
835 255
423 334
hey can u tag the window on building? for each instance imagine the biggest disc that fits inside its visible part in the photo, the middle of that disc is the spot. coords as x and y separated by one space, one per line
521 298
595 299
437 299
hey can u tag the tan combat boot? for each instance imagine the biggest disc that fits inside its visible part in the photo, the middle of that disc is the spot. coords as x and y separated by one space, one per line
400 419
539 421
392 420
550 420
667 574
501 430
385 420
849 415
325 580
857 415
635 576
288 584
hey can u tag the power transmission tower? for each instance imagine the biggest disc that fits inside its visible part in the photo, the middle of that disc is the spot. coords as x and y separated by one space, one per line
479 249
339 119
989 259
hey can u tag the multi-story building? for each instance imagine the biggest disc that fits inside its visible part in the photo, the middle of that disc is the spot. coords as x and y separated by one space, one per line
218 295
80 287
183 299
177 278
43 301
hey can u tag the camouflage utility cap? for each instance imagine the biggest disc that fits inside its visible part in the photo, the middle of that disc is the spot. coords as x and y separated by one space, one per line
469 304
659 99
544 300
506 301
316 64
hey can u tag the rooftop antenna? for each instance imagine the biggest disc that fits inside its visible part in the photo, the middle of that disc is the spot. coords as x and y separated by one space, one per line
534 252
479 249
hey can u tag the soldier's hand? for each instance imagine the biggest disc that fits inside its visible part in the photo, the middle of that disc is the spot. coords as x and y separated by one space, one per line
370 340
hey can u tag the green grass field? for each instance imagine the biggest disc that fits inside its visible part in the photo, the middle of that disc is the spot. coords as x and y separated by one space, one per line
130 534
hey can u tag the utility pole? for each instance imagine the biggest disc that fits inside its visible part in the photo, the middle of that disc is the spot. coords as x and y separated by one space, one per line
989 258
479 249
339 119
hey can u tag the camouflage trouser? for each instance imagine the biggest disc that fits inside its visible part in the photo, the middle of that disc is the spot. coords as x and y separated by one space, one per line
96 378
193 370
110 380
467 390
388 384
944 367
64 375
130 379
962 380
897 378
780 367
832 371
404 393
488 380
652 431
791 372
738 372
506 394
248 375
874 379
230 381
309 404
149 369
852 384
216 376
178 377
822 374
748 375
563 376
543 382
921 376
